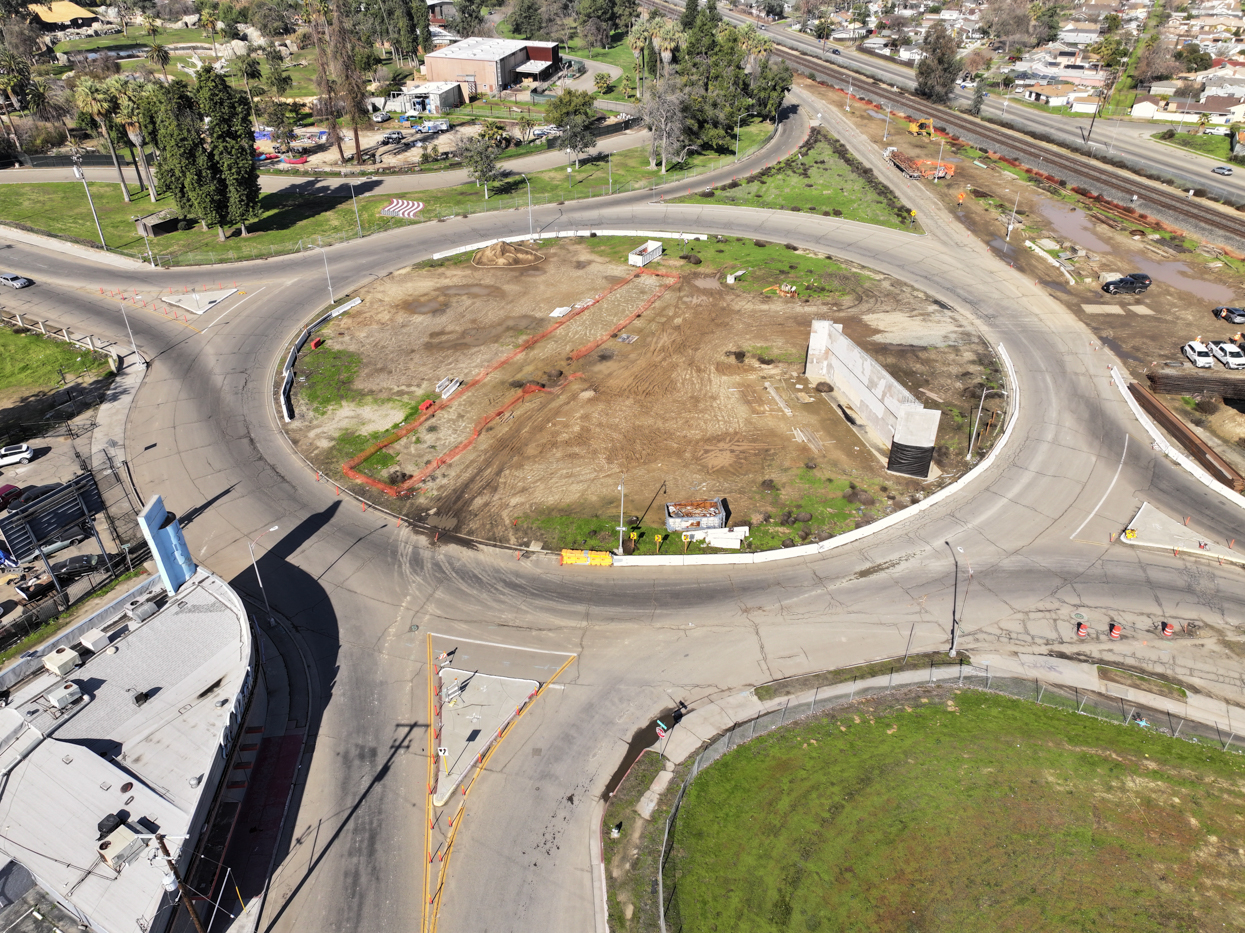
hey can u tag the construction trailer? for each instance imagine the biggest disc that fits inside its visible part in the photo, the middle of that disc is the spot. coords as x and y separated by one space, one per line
643 255
695 515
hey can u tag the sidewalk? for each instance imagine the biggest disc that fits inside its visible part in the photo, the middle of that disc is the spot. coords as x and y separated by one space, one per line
114 412
64 246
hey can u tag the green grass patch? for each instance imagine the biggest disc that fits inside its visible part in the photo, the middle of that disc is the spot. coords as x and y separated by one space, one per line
1141 682
822 178
916 662
968 812
121 42
1216 147
328 379
32 363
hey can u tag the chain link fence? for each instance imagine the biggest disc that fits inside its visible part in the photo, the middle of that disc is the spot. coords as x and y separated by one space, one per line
1087 703
120 516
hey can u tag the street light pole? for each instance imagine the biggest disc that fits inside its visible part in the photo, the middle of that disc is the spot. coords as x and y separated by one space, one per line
125 317
886 130
326 274
1012 222
77 170
937 171
955 591
358 222
750 113
251 547
622 493
531 227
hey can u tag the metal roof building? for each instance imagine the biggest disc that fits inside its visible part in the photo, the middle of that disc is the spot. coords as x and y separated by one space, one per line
120 729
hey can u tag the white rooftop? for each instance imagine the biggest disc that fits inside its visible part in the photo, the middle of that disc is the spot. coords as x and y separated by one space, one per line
482 49
149 764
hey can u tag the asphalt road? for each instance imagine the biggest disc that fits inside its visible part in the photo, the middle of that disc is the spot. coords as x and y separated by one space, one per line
203 432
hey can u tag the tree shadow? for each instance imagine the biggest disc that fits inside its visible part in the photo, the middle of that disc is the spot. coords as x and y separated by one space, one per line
306 200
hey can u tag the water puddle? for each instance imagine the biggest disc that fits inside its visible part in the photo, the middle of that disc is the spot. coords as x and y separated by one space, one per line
1072 224
1173 274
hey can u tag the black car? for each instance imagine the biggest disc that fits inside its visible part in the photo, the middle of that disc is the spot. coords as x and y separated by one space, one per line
1230 314
74 567
1133 284
32 494
835 52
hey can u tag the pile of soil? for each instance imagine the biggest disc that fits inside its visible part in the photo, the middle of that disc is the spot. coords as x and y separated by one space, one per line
506 254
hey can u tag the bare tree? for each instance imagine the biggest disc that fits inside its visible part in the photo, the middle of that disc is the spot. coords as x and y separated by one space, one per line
1008 20
1155 63
662 109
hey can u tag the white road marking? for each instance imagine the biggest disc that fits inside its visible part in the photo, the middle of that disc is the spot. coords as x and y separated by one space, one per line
230 311
497 644
1108 492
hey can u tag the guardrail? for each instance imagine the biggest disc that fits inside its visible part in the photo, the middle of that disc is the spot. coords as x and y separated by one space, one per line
287 407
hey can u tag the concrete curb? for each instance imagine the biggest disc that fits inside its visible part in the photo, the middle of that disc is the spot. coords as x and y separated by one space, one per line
60 246
1166 448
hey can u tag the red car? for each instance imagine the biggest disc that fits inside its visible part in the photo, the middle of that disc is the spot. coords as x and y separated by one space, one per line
8 494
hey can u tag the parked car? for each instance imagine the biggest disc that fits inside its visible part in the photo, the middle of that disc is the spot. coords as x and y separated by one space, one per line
31 589
1230 314
393 136
1222 170
1198 354
1132 284
73 567
31 494
8 493
16 453
1227 353
380 117
14 281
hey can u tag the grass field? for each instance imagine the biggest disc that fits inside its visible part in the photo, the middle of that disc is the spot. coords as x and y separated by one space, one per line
1217 147
822 178
973 812
31 364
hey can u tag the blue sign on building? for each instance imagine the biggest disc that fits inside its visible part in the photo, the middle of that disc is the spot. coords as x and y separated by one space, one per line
168 544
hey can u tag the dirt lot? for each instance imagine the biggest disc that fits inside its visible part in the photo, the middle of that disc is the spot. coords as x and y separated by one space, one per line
674 410
1145 331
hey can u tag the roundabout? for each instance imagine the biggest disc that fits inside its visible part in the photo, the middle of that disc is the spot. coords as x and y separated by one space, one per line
359 593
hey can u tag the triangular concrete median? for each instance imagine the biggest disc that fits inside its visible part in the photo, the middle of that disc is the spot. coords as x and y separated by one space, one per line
1151 528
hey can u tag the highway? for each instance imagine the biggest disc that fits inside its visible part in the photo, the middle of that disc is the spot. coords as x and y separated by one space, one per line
203 431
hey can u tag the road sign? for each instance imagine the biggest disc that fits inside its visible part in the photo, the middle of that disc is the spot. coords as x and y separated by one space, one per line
661 729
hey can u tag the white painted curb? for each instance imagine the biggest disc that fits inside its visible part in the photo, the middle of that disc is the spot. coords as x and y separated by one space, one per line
1161 442
809 550
652 235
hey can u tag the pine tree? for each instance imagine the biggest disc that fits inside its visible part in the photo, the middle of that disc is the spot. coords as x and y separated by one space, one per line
183 170
937 69
691 10
423 25
230 149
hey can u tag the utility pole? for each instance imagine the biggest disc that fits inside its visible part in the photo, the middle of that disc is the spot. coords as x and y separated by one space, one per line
955 632
181 885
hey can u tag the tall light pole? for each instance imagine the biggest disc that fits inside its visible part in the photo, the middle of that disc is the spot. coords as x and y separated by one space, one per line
531 226
977 423
955 620
1115 132
251 547
77 170
942 142
750 113
326 274
358 222
1012 222
125 317
886 130
622 493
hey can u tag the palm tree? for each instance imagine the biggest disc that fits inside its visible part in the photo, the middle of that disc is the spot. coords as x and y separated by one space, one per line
279 79
249 69
95 100
14 73
207 19
668 38
48 105
159 55
637 40
151 25
129 97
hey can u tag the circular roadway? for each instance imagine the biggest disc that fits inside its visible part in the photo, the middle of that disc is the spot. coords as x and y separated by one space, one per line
203 432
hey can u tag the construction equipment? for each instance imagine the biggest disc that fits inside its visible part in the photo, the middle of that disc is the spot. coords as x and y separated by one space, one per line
918 168
922 127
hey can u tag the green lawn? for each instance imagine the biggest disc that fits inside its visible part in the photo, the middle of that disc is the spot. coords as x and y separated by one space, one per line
822 178
30 363
1216 147
60 208
135 38
971 812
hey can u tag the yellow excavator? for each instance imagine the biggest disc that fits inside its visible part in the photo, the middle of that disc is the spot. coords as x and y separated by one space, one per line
921 128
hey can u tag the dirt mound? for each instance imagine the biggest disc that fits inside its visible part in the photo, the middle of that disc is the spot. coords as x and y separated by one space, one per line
506 254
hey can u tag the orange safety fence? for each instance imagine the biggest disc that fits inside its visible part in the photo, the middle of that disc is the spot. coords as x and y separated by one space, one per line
349 466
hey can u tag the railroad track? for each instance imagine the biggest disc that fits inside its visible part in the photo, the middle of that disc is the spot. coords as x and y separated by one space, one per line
1053 160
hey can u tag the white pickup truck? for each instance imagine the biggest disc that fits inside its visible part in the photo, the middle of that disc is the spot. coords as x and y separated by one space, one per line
1227 353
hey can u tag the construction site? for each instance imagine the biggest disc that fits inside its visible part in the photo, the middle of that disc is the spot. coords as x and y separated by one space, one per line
492 392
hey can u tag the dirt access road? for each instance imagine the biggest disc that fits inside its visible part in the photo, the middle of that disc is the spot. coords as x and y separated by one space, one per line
708 400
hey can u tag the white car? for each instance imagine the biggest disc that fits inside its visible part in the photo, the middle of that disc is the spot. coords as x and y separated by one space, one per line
1227 353
380 117
16 453
14 281
1198 354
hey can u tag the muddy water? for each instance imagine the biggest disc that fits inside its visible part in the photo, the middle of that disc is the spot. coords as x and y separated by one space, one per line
1074 225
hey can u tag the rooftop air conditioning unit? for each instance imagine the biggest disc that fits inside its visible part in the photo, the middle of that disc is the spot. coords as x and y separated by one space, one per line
120 847
95 641
144 611
64 694
61 661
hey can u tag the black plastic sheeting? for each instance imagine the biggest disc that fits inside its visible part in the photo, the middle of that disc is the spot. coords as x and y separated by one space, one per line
911 461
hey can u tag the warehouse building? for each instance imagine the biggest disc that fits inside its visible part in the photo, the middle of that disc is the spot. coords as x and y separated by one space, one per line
486 66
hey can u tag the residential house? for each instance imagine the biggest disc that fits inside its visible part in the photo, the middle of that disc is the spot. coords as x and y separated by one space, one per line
1215 111
1053 95
1084 104
1079 33
1164 88
1146 107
